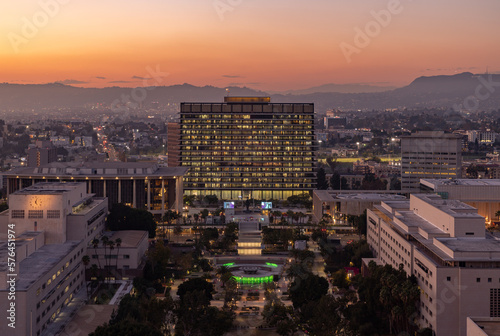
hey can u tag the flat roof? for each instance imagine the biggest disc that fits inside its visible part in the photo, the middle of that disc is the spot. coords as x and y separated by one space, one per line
130 238
489 325
360 195
487 244
454 208
432 134
87 169
48 188
462 182
42 261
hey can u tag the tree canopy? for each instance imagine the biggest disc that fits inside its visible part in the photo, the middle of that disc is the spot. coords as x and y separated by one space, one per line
122 217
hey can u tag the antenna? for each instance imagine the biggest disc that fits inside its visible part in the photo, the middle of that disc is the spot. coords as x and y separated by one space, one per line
227 92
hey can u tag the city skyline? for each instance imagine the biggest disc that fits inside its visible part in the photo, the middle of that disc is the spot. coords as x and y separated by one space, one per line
279 46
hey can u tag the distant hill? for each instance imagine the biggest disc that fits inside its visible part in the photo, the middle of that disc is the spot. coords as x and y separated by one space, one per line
340 88
434 91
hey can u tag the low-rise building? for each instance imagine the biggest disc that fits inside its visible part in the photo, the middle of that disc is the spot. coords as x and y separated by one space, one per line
482 194
339 203
142 185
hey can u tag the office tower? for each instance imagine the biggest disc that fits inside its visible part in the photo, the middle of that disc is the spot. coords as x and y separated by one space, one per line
429 155
42 153
248 147
173 144
444 245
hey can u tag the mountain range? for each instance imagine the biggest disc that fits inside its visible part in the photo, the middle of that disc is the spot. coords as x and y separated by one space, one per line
471 91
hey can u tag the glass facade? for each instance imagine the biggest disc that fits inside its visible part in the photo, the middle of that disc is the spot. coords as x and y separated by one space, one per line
258 150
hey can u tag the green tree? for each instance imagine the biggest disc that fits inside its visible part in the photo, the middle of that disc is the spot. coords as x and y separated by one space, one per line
86 261
321 183
307 288
196 284
126 328
335 181
122 217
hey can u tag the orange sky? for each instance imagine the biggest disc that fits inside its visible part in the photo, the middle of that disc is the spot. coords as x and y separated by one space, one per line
267 45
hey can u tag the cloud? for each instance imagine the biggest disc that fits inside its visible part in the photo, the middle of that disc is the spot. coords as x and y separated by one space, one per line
71 81
243 84
120 81
232 76
98 77
140 78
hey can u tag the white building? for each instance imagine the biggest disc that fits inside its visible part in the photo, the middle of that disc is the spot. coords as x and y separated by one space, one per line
443 243
53 224
483 194
429 155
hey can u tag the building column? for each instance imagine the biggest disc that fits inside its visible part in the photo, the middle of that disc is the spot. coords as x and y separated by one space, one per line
148 196
163 196
134 194
119 191
104 188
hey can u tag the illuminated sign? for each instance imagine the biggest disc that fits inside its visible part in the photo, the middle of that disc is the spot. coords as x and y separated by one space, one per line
266 205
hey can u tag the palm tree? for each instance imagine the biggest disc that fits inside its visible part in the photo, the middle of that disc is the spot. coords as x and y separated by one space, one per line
95 244
277 214
111 245
497 214
104 241
86 261
118 242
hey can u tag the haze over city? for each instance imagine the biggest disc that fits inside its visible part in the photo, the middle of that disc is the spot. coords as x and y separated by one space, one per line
267 45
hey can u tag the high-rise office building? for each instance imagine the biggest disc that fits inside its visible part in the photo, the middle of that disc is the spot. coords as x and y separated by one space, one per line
429 155
248 147
173 144
41 153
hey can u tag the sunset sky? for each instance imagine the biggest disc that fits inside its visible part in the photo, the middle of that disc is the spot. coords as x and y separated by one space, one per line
262 44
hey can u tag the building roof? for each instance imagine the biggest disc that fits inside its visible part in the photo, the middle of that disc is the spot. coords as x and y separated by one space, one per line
432 134
97 169
461 182
130 238
48 188
359 195
42 261
489 325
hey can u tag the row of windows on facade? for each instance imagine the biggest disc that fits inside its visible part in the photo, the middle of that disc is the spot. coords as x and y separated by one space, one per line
35 214
59 272
221 140
56 313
